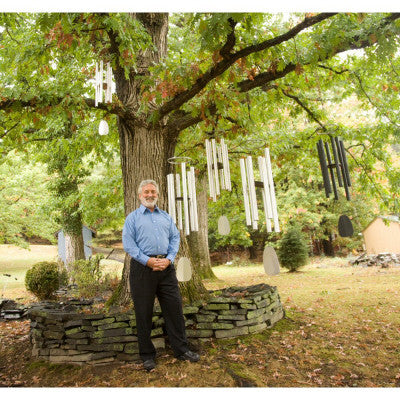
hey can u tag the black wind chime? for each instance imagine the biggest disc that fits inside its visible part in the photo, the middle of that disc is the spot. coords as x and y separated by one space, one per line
334 167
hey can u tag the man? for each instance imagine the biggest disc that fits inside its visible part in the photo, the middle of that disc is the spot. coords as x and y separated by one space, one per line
151 238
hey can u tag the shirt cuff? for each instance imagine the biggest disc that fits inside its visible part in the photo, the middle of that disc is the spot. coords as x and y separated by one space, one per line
143 259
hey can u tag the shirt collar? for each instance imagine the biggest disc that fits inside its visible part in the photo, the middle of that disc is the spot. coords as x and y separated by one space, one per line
143 209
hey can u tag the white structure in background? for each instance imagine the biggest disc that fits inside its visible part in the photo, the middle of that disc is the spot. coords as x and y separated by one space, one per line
219 176
99 82
183 192
267 188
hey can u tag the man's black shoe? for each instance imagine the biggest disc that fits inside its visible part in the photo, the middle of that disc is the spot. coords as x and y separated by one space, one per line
190 356
149 364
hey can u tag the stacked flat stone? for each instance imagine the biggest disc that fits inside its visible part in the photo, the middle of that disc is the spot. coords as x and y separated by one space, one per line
79 337
237 311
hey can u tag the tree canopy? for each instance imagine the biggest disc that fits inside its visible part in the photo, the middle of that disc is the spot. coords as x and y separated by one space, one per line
182 78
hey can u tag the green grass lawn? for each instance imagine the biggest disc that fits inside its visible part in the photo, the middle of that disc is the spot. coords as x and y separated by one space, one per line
341 330
15 261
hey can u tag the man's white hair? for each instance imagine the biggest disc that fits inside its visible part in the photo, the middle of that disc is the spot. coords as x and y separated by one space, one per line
148 182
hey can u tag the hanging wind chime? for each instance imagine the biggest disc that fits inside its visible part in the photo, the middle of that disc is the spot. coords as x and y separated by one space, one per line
182 207
266 184
331 166
219 176
103 85
182 202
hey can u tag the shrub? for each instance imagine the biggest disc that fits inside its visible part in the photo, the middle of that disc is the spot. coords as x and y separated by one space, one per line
43 279
87 275
293 249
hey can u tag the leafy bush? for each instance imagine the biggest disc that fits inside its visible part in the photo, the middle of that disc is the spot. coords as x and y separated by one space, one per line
87 274
43 279
293 249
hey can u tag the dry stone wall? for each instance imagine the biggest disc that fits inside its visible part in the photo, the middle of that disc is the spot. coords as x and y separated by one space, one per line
81 336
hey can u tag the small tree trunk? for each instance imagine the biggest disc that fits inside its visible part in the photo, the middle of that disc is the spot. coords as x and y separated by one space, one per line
74 248
327 245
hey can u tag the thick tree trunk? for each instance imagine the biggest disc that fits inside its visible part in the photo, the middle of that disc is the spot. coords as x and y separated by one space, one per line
154 148
144 147
74 248
198 241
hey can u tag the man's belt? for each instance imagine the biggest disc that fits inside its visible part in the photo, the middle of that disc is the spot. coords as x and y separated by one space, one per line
158 255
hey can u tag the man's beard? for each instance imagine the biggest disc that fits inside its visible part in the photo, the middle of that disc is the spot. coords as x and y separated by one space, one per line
149 203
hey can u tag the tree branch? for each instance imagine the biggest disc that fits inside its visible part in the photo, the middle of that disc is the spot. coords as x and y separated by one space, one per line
111 108
12 38
333 70
370 100
229 59
230 42
306 109
355 43
8 131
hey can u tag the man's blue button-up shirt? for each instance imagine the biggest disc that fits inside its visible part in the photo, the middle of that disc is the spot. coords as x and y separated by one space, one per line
148 233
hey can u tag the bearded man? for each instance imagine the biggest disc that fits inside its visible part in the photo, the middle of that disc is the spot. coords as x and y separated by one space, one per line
151 238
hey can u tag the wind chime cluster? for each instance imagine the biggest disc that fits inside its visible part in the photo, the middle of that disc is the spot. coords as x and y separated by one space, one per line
182 203
103 85
329 166
266 184
219 176
182 192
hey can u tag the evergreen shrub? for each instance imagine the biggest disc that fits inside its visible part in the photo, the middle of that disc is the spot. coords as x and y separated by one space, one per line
293 249
43 279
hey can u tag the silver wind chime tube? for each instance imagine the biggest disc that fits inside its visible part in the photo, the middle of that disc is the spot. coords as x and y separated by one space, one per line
185 199
99 83
225 163
272 191
215 162
252 192
194 222
171 197
108 91
221 171
96 86
245 191
179 201
265 193
211 185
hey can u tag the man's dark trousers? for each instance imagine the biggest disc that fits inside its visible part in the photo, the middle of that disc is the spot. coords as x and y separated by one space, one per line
145 285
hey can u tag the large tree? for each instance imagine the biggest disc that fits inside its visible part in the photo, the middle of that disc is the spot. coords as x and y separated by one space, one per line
214 64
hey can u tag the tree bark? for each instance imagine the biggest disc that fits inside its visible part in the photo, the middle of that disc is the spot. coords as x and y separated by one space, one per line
74 248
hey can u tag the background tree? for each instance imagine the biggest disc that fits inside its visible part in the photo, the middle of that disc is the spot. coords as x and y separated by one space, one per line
24 201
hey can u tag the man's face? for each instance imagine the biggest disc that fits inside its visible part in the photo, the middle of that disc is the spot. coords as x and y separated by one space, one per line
148 196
